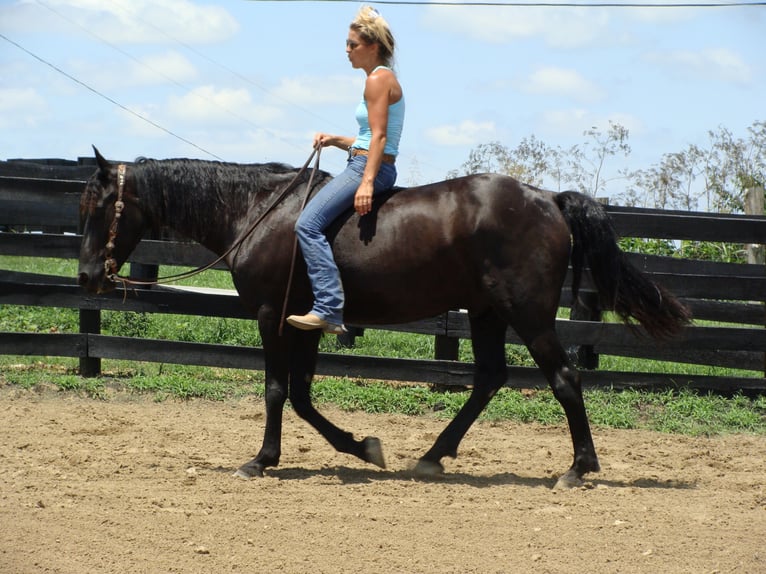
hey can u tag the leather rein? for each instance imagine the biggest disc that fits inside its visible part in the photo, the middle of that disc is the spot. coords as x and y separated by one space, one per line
110 264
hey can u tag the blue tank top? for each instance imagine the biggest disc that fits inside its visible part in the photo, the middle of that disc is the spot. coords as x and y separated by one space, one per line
393 131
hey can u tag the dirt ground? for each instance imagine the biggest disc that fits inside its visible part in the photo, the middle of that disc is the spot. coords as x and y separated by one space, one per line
129 485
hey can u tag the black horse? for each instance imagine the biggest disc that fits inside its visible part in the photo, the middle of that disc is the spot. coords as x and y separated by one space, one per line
485 243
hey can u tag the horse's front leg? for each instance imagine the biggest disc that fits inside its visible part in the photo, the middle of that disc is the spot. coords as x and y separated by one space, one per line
488 340
303 358
276 355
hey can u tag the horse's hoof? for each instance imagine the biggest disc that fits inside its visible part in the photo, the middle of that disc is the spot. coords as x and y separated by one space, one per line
428 469
249 470
373 451
568 480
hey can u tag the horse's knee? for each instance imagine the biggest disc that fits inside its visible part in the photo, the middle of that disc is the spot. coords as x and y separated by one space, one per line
275 393
302 405
566 385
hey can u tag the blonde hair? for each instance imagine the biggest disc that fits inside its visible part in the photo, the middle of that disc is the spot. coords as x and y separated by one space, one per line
373 29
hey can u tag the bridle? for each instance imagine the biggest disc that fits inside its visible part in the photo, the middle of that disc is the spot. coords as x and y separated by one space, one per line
110 263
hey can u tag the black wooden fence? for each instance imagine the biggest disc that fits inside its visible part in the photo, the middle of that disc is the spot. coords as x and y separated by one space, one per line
39 218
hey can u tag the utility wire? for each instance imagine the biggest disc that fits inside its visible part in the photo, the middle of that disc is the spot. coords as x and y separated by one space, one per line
107 98
547 4
187 89
224 67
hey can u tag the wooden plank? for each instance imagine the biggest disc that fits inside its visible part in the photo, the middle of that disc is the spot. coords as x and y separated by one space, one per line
15 188
435 372
175 352
678 266
183 254
731 359
148 252
630 222
15 288
55 168
40 245
33 217
705 287
727 312
735 288
159 299
43 344
408 370
592 333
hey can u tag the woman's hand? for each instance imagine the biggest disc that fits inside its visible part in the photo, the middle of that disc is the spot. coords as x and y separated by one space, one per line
363 199
322 140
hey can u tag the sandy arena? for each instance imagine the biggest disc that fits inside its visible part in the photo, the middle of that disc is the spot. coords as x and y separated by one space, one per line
129 485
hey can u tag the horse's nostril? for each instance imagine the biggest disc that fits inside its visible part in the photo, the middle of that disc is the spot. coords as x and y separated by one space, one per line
82 279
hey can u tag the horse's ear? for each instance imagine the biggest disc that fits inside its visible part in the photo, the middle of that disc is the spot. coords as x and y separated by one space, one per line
102 162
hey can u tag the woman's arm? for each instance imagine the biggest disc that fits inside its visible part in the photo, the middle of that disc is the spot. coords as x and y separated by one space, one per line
376 94
325 140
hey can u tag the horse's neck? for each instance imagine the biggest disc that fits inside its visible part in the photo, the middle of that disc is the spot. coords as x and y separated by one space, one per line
213 205
202 214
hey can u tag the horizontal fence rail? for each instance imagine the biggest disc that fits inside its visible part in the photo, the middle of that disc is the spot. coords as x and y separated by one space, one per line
39 218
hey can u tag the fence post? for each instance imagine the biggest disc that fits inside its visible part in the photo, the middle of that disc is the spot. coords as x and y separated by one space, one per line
446 348
585 308
90 323
754 205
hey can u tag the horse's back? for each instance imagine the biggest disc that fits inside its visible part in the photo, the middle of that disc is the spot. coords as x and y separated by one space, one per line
436 247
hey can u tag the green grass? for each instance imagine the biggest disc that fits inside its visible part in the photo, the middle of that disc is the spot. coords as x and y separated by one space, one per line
682 412
678 412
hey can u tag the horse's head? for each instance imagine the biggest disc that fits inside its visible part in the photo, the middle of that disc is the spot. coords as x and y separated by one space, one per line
112 225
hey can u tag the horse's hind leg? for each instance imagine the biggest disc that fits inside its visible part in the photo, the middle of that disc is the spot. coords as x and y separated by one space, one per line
564 380
488 339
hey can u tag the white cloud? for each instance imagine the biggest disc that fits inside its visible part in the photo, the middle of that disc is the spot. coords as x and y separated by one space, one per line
653 15
573 122
315 90
562 82
562 27
210 105
466 132
21 107
567 122
721 64
153 70
160 68
125 21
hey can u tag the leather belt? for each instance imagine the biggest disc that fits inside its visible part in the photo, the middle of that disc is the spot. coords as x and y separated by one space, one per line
355 151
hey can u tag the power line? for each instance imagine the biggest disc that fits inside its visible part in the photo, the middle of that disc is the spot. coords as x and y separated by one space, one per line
546 4
173 81
107 98
224 67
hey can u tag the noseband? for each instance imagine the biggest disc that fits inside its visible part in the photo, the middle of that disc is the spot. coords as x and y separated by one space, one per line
110 263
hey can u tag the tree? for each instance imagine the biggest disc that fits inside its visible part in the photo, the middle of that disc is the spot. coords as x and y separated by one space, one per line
529 162
491 157
734 166
718 176
669 185
593 155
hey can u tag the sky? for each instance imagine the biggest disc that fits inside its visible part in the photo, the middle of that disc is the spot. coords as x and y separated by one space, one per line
252 81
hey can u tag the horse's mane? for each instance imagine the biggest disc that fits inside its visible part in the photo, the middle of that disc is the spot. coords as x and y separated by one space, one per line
208 187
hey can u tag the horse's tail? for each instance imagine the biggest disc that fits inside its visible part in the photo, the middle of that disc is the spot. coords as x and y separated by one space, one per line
622 287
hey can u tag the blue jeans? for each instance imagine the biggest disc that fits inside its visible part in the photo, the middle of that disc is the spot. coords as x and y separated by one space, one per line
332 200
